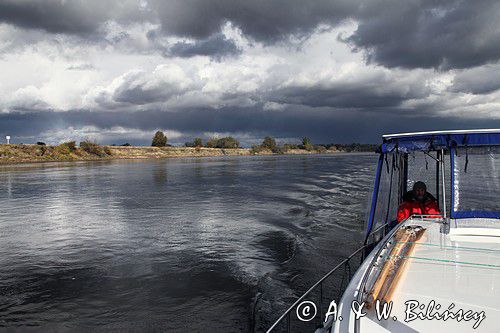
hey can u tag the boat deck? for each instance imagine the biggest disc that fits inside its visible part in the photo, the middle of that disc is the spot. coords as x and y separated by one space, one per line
449 267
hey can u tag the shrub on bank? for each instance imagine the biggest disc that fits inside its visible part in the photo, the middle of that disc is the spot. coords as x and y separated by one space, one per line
256 149
197 142
211 143
321 149
290 146
268 144
279 150
62 149
70 144
43 150
225 142
94 149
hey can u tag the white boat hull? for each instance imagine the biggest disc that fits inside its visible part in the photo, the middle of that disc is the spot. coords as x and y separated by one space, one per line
443 273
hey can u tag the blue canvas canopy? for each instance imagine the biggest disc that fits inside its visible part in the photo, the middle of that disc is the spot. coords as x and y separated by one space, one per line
428 141
472 181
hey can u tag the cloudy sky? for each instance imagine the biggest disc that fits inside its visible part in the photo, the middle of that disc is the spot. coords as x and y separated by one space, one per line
337 71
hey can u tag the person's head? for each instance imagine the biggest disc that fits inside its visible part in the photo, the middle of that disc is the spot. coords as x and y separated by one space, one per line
419 188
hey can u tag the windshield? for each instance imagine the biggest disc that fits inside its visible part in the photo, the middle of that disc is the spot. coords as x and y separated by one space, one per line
476 182
397 174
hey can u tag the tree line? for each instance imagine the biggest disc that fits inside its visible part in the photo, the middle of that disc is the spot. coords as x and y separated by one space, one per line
160 140
269 143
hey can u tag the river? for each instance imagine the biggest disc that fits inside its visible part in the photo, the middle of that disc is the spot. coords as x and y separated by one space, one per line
187 244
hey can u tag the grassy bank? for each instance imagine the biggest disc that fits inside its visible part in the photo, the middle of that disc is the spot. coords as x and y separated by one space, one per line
24 153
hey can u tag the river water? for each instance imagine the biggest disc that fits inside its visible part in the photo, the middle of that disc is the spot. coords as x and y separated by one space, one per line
207 244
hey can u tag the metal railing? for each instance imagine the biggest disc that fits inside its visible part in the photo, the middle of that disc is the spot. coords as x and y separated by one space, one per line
336 288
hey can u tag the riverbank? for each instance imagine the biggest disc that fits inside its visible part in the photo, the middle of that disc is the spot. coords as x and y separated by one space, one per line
27 153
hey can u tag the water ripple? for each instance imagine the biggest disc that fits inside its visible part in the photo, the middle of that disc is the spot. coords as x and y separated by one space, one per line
184 244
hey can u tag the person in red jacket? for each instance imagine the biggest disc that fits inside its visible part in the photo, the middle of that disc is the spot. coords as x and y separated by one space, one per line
419 202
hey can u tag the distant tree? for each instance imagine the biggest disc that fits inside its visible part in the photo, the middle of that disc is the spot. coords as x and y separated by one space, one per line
126 144
307 144
352 147
198 142
211 143
159 140
40 143
227 142
269 143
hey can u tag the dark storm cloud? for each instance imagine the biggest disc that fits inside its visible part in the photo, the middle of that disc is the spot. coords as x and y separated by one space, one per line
363 94
216 46
55 16
393 33
30 105
482 80
141 88
262 20
321 125
139 94
429 34
409 34
340 98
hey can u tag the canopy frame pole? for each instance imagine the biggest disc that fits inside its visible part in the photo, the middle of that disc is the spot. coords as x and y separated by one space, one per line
443 184
438 162
404 184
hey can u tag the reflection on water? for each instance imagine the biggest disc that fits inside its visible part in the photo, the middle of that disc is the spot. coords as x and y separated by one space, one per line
181 244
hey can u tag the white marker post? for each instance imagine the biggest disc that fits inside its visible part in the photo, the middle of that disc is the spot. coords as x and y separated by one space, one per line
8 139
